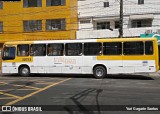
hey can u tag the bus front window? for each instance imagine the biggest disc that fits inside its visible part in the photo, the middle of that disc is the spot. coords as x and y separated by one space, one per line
8 53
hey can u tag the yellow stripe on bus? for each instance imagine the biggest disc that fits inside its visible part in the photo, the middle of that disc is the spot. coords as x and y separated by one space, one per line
144 57
18 42
20 59
126 39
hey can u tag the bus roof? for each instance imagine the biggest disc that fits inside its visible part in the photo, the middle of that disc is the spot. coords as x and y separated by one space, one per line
81 40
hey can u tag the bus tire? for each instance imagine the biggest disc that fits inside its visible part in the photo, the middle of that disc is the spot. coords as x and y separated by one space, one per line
99 72
24 71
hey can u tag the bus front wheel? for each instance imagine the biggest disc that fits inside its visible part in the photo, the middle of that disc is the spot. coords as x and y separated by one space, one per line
99 72
24 71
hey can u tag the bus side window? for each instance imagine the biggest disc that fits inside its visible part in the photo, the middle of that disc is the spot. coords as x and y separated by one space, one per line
91 49
73 49
133 48
38 50
55 49
23 50
148 47
112 48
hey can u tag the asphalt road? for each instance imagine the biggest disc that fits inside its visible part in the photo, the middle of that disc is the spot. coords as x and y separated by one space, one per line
81 94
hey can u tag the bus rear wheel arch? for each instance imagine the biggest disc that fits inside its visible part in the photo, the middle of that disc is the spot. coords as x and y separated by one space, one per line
99 71
24 70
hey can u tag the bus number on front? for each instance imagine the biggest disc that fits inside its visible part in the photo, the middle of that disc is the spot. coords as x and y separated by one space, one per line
26 59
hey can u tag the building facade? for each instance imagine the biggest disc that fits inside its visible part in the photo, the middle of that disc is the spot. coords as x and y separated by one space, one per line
100 18
38 20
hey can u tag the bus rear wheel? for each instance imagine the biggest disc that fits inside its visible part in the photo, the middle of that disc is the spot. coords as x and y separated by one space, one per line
99 72
24 71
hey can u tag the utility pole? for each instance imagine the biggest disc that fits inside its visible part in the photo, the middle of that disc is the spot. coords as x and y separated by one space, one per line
121 20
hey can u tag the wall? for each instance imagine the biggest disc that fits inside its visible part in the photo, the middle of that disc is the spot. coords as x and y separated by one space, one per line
95 11
13 15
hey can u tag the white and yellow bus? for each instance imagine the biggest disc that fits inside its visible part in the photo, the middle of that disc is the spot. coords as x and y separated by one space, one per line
93 56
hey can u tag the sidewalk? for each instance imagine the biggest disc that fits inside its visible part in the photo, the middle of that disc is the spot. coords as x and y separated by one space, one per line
155 73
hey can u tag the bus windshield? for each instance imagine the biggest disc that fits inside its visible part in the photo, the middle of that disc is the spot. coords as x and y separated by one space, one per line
8 53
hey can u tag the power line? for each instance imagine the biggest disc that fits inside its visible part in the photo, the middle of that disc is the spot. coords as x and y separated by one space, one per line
87 28
101 8
92 7
143 5
63 8
58 10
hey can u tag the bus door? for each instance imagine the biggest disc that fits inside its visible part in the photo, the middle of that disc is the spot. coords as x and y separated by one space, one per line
134 59
8 57
112 52
72 61
38 51
55 58
91 52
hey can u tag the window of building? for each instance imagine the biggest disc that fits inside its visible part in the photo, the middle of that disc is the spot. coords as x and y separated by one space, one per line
55 2
38 50
103 25
106 4
141 23
73 49
133 48
56 24
148 47
84 21
92 49
1 26
112 48
140 1
1 5
117 24
32 3
23 50
32 25
55 49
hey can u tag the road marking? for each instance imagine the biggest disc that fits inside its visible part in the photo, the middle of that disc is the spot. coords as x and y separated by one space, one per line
40 90
7 94
16 90
25 86
48 79
45 83
20 85
26 89
3 98
6 90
